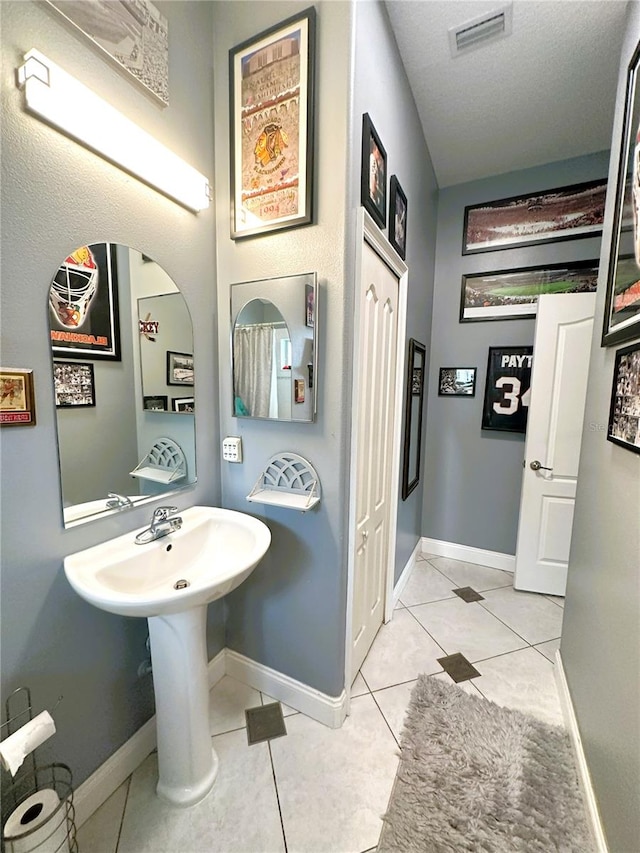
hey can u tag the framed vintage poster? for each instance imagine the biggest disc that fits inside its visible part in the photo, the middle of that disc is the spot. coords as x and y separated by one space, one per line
622 305
132 33
457 382
373 173
83 304
17 400
541 217
398 217
179 368
271 80
74 384
624 414
513 294
507 389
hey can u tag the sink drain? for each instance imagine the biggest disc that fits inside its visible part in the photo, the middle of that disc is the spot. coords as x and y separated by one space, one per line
181 584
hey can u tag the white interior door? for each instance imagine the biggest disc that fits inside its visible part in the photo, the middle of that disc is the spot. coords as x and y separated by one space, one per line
376 415
561 352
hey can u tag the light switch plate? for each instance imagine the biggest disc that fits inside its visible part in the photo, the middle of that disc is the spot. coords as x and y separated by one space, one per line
232 449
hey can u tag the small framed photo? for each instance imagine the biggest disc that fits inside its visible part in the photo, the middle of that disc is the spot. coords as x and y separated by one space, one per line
309 304
179 368
186 405
397 218
373 178
457 382
154 403
74 384
17 400
624 415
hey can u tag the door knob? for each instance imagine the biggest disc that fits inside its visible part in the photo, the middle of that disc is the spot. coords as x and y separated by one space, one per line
536 466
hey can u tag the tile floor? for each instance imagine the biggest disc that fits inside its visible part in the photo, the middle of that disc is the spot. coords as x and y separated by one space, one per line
321 790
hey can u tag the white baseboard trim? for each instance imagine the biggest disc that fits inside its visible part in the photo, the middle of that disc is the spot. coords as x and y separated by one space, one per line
406 573
330 710
217 667
114 771
491 559
571 724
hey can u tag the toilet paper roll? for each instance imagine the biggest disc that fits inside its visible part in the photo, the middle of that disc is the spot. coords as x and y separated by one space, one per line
43 817
15 748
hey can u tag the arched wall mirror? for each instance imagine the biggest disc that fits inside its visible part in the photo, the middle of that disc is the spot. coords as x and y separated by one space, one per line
123 374
274 348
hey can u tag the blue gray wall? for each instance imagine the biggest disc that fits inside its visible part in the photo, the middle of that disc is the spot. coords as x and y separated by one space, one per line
56 195
601 631
473 476
381 89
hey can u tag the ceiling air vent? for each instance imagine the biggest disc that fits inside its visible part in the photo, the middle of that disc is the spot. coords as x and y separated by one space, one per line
474 33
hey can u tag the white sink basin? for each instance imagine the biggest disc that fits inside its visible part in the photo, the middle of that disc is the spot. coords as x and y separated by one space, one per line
214 551
171 581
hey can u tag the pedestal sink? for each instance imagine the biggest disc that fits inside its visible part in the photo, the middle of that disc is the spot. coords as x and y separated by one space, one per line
170 582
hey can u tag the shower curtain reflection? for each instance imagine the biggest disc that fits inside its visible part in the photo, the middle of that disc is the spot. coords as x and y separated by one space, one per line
254 371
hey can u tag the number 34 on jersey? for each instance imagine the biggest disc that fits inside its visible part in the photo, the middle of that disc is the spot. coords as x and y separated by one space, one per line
508 389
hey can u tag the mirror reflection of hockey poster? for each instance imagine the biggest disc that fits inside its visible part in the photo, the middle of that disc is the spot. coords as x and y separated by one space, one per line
508 389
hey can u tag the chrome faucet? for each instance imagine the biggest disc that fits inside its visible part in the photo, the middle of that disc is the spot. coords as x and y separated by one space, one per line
118 501
163 522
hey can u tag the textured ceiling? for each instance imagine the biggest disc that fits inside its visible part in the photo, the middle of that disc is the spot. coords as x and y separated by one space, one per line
542 94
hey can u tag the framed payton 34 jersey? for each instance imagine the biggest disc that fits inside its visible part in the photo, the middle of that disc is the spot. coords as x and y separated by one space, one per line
508 389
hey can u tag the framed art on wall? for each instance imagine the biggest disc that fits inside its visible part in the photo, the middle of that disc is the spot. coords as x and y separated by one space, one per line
154 402
271 78
83 304
457 382
622 305
624 413
74 384
183 404
397 218
373 173
513 294
507 389
541 217
17 399
179 368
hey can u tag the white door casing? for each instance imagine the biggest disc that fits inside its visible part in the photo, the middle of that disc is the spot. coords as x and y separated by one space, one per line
378 364
561 352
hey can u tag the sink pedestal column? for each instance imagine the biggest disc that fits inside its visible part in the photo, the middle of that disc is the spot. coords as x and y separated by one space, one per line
187 762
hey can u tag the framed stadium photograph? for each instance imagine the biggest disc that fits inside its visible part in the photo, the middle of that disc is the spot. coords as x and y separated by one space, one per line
513 294
271 78
507 389
540 217
624 414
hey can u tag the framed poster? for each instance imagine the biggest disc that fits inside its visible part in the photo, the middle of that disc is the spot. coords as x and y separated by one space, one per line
17 400
507 389
373 173
513 294
132 33
397 218
457 382
74 384
624 414
271 80
179 368
541 217
622 305
83 304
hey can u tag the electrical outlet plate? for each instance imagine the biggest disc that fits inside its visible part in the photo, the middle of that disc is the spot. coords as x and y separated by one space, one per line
232 449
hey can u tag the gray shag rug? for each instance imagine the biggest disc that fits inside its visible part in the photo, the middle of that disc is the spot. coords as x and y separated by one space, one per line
477 777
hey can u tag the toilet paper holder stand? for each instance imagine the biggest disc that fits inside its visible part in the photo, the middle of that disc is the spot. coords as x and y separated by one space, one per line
54 776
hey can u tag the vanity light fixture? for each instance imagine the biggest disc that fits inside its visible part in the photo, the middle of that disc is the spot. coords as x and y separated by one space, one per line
68 105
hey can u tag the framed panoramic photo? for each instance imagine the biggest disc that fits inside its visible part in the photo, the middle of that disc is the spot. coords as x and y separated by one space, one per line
132 33
179 368
507 389
83 304
271 79
622 305
397 217
624 414
457 382
513 294
541 217
74 384
154 402
17 400
373 173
